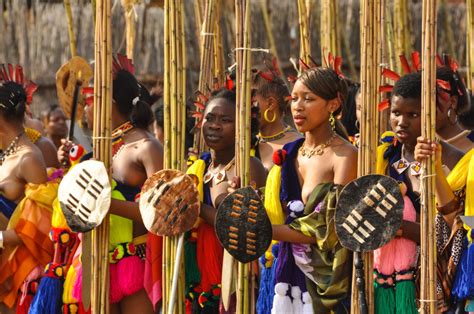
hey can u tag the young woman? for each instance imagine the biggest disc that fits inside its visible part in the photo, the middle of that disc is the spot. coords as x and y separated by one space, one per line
136 156
397 159
25 242
55 125
453 111
310 264
215 170
271 96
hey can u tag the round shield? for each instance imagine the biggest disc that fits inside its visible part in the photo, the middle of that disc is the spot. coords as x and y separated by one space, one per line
66 78
84 195
169 203
242 225
369 212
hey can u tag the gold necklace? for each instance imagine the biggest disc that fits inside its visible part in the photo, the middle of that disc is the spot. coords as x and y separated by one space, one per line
217 176
318 150
11 149
274 137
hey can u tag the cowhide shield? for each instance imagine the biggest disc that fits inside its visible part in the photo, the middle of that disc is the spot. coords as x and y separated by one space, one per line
169 203
84 195
66 78
242 225
369 212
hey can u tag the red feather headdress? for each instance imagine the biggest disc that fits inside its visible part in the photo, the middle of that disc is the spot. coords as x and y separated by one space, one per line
10 73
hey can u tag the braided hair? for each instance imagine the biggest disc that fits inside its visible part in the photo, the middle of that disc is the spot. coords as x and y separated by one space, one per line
272 88
12 101
327 84
132 99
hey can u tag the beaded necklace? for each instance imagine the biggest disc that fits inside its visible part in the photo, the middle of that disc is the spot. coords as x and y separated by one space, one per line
274 137
117 138
11 149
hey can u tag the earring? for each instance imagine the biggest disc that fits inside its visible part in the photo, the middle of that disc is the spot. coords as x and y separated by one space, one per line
357 125
450 110
332 121
265 116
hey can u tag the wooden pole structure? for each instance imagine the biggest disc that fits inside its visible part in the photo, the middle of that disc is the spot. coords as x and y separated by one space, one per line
218 66
102 150
129 12
70 27
174 102
305 39
371 14
268 30
242 143
428 128
470 43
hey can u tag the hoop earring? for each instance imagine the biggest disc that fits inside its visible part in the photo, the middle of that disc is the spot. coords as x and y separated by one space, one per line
449 117
332 121
357 125
265 116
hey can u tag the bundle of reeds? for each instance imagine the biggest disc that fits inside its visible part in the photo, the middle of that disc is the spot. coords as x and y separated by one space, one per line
305 38
329 28
174 143
428 302
207 45
70 28
268 29
129 12
371 12
102 150
402 31
470 43
218 67
242 136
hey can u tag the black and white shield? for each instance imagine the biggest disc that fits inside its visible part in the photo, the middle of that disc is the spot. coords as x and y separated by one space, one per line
369 212
242 225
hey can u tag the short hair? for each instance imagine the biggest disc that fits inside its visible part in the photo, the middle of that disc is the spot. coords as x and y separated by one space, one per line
408 86
272 88
12 101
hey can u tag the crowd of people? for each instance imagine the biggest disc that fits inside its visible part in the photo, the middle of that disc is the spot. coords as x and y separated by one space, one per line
305 148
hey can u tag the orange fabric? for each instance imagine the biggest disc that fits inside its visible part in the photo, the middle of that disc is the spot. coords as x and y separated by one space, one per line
32 222
153 267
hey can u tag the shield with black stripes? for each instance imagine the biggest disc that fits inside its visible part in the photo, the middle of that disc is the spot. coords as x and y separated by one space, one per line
242 225
169 203
369 212
84 195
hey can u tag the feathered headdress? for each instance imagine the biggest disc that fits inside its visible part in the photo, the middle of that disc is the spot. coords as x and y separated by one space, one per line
10 73
331 61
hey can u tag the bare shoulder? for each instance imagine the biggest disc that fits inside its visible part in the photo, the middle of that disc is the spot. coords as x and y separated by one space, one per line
32 167
451 155
257 172
344 149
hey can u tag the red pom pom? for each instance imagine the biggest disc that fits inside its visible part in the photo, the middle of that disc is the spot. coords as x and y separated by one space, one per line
279 157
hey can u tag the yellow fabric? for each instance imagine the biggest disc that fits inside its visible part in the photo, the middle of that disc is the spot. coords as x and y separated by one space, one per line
69 282
33 135
197 169
58 220
381 163
42 194
121 229
462 176
272 196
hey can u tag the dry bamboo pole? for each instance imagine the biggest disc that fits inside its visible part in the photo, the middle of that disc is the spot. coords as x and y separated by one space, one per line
402 30
218 66
102 149
268 29
428 124
448 30
130 33
345 44
329 29
205 79
470 43
371 19
242 149
390 37
70 28
305 43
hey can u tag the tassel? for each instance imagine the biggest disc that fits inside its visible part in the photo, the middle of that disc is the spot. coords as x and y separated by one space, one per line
463 286
48 298
384 299
192 274
130 272
281 301
265 292
405 297
297 303
77 286
307 304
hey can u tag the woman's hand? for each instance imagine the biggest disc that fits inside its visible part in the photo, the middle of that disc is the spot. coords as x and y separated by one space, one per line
424 149
63 152
234 184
